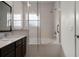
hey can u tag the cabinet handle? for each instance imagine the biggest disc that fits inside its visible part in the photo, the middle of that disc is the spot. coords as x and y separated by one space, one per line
77 36
58 28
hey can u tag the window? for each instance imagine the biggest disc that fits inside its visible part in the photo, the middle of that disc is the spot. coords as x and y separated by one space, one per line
17 21
33 17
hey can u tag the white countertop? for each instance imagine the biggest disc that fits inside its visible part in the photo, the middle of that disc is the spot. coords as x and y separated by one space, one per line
10 39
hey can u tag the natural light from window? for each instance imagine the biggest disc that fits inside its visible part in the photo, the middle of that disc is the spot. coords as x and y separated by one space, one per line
18 20
33 17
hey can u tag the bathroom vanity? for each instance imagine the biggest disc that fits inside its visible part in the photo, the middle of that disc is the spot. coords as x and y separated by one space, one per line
13 46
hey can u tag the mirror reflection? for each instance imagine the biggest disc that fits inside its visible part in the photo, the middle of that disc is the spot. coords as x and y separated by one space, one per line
5 17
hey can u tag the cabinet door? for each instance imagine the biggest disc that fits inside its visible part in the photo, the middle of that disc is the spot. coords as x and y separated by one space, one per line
8 50
24 47
19 51
23 50
21 47
11 54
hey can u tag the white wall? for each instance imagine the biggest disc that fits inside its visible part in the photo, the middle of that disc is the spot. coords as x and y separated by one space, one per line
67 28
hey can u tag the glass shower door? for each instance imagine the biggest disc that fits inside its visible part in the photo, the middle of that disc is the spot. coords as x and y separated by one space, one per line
33 23
34 29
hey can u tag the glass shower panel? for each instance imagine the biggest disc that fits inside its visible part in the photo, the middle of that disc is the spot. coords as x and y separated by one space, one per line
26 25
38 33
33 28
47 21
32 32
33 22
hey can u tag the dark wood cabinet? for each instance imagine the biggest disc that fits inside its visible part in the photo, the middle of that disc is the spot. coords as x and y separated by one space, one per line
24 47
19 51
21 47
10 54
16 49
8 50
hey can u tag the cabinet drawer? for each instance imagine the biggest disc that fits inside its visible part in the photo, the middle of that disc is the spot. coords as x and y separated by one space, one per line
24 39
19 42
5 50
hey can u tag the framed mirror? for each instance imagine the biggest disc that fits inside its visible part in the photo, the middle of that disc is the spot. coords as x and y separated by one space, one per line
5 17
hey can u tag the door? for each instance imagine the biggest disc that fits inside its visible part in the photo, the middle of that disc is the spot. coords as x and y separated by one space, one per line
77 28
68 28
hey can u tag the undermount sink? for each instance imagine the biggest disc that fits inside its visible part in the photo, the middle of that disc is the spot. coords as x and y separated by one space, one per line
5 39
9 37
